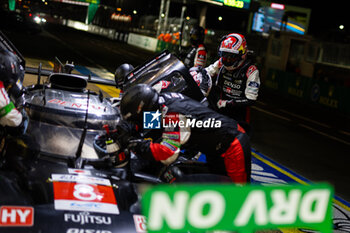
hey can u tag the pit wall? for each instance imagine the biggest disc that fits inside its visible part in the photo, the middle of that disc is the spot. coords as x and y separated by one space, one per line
309 90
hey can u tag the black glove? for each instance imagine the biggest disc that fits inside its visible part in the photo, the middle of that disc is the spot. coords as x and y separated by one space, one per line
141 147
125 132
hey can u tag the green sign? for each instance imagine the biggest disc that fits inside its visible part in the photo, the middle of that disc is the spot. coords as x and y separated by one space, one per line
92 9
200 208
90 1
12 5
235 3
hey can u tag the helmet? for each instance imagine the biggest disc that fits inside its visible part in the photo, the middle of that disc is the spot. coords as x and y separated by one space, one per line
118 158
11 73
202 78
137 99
233 50
197 35
121 72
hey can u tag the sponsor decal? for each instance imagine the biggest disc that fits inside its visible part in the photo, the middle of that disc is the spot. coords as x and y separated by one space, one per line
79 230
80 179
231 84
171 135
140 223
170 145
74 105
173 95
165 84
87 218
295 91
250 70
229 42
253 84
315 92
20 216
237 208
329 102
83 193
79 171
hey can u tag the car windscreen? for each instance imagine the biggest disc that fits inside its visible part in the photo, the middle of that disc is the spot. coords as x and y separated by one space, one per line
62 141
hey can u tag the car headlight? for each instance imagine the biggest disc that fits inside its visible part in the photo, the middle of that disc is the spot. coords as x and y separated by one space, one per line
37 19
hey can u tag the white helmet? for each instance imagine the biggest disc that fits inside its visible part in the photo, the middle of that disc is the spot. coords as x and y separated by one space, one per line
233 50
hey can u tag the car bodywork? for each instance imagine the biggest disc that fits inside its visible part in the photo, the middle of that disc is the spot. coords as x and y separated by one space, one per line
52 180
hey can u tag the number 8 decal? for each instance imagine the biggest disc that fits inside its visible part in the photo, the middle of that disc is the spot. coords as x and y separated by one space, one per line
84 192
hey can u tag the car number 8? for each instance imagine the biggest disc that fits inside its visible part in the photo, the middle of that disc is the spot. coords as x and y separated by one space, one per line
84 192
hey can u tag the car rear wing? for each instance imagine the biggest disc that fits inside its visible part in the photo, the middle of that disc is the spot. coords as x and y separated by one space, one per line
90 79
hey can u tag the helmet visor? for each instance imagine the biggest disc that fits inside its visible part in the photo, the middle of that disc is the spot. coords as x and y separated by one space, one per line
230 59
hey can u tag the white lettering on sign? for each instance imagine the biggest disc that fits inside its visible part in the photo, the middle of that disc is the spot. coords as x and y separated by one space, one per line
313 206
217 206
284 211
16 216
171 211
255 203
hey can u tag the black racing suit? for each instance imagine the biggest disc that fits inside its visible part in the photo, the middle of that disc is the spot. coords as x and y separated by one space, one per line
238 88
220 138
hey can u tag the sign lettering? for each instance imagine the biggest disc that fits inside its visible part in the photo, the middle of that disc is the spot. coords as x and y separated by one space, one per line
16 216
227 207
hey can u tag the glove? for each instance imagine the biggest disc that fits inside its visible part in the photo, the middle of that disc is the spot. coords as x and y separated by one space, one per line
125 131
223 103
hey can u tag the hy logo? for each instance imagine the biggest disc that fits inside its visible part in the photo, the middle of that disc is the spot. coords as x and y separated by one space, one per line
151 120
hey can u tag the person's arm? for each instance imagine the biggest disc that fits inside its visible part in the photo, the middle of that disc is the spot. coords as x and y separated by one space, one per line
214 68
168 149
9 115
253 83
201 57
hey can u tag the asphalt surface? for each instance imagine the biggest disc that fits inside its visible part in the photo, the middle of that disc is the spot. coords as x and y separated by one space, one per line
315 143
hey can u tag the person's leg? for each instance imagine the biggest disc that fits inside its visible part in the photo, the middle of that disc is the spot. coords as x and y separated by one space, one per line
237 160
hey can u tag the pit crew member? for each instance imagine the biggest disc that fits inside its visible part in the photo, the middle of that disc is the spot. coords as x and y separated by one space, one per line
11 77
223 141
197 54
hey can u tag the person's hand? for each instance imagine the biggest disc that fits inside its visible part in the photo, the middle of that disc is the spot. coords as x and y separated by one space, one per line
223 103
125 131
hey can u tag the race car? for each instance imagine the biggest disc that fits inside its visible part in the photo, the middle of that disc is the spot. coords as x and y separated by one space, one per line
52 178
